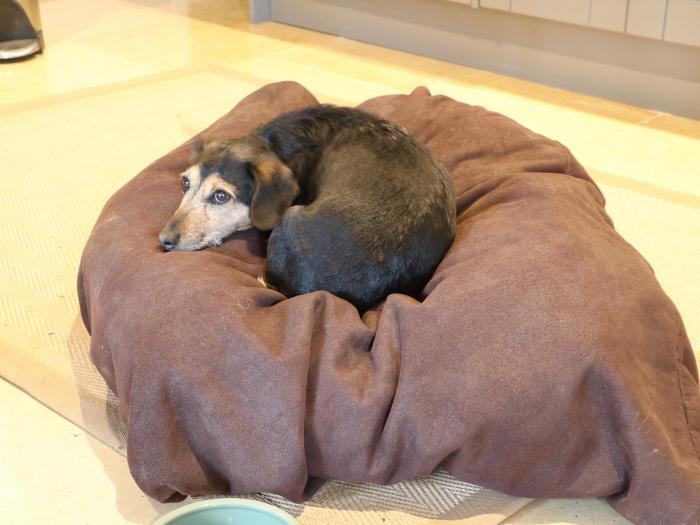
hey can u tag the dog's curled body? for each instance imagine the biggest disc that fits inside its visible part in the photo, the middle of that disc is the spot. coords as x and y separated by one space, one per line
376 211
357 206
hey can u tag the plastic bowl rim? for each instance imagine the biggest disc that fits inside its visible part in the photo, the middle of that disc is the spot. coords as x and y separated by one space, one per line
225 503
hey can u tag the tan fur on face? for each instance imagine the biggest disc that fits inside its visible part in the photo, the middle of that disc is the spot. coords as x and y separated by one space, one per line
200 222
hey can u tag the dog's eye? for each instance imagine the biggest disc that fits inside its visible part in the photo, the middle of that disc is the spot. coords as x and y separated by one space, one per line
220 197
185 184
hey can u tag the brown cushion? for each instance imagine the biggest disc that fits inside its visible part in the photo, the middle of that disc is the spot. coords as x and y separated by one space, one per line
543 361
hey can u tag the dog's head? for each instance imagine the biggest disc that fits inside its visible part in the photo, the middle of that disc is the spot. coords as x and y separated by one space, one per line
234 186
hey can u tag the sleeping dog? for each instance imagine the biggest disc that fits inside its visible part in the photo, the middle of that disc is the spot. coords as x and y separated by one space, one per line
357 206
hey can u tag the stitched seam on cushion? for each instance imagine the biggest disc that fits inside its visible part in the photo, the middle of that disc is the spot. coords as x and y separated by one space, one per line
679 359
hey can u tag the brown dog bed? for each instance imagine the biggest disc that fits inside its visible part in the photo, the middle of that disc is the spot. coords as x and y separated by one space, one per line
544 360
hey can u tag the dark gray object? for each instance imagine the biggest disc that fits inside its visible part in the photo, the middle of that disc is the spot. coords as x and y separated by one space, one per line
20 29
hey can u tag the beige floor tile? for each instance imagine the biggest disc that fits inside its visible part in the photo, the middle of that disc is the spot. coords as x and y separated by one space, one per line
567 512
648 155
396 78
63 71
91 44
667 234
399 71
53 472
569 100
326 85
677 125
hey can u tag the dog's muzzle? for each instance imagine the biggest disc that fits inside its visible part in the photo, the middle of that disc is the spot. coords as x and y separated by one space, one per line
168 240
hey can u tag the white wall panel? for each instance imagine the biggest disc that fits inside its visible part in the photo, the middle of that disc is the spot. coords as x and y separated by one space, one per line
503 5
646 18
571 11
609 14
683 22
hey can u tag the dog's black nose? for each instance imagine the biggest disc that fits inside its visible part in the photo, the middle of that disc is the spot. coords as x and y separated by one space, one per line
169 241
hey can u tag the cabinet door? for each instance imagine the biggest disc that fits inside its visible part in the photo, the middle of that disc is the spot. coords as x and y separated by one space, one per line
683 22
571 11
646 18
503 5
609 14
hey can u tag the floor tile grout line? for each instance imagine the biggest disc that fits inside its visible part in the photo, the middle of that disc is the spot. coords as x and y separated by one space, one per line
645 188
279 56
79 94
229 72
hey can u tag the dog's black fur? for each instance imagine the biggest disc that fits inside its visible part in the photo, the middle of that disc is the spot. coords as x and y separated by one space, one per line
358 206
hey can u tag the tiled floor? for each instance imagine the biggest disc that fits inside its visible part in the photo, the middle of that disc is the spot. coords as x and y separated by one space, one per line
53 472
124 81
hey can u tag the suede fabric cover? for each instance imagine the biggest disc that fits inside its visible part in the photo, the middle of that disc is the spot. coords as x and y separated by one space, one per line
544 359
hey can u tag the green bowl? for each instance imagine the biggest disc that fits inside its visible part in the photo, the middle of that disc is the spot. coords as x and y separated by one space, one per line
227 511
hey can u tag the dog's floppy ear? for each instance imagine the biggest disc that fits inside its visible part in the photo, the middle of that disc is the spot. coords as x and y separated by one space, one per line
275 190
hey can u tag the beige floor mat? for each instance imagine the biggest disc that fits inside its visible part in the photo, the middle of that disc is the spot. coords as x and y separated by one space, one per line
54 186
